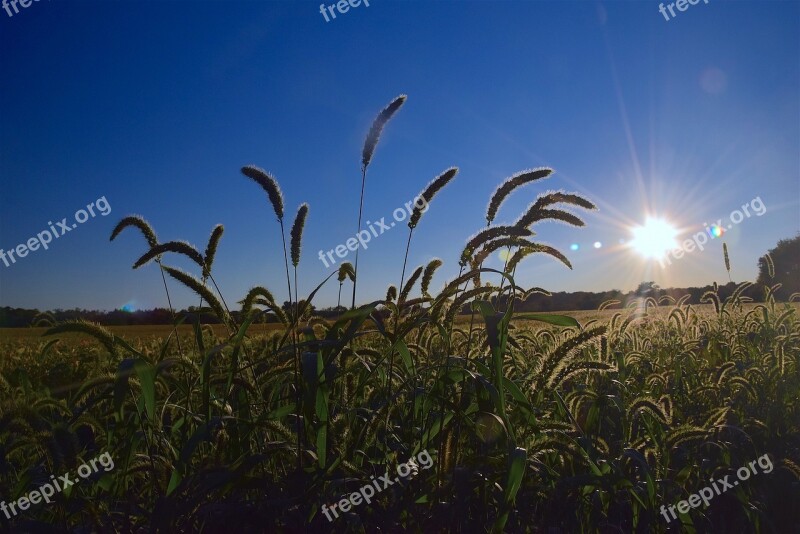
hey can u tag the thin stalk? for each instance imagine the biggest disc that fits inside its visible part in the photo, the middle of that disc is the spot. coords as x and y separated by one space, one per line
171 309
466 363
427 418
505 266
341 356
472 315
294 340
223 300
150 452
175 330
396 323
296 324
358 229
244 349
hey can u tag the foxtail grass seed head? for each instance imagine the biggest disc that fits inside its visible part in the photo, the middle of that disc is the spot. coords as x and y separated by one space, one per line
537 210
101 334
377 127
211 249
195 285
770 265
556 197
429 192
492 246
518 256
391 294
535 214
727 259
273 307
251 298
505 189
346 271
178 247
427 276
297 232
268 184
137 221
410 284
492 233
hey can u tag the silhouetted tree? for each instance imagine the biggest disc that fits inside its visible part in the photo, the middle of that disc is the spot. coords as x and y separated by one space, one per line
288 307
786 259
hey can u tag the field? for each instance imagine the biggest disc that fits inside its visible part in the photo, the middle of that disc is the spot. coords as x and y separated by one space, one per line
138 334
539 427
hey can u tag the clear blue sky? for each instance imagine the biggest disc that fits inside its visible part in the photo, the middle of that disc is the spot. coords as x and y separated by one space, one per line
157 105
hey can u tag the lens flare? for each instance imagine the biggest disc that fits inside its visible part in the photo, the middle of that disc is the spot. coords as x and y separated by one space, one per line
716 230
597 244
574 246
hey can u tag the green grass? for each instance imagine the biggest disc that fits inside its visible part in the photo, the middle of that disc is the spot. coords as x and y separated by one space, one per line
722 391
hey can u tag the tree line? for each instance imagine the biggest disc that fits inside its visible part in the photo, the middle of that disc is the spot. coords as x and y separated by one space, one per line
784 268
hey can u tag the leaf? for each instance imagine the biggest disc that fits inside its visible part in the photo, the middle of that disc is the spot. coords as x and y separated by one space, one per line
486 427
280 413
549 318
124 370
517 460
174 480
201 434
516 470
147 375
322 446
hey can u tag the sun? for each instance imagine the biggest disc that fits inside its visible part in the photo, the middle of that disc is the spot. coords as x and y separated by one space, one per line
654 239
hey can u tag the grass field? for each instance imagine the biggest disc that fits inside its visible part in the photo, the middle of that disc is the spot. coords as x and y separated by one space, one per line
594 425
134 333
154 332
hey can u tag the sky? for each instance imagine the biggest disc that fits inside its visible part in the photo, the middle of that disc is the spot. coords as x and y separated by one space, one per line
153 107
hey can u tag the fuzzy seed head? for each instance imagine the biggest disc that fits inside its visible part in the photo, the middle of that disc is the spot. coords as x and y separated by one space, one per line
346 271
505 189
211 249
268 184
377 127
429 192
178 247
391 294
727 259
406 290
492 233
297 232
427 276
137 221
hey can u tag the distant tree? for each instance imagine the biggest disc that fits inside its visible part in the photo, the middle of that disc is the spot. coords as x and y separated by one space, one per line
648 289
786 259
288 307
